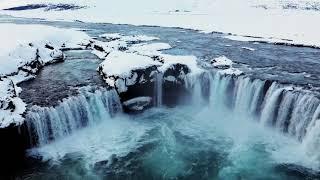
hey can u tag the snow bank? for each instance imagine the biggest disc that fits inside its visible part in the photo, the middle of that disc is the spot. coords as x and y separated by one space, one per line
231 71
289 19
224 65
138 63
24 50
117 41
11 105
22 44
149 49
222 62
122 64
171 60
248 48
132 38
138 104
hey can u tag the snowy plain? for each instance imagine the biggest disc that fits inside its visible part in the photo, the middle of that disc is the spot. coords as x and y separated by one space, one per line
292 21
284 21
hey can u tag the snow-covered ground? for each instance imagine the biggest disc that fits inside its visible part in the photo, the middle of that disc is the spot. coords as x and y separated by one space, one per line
123 55
294 21
24 50
30 47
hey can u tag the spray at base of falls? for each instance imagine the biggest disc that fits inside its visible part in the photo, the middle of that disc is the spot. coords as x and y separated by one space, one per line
293 112
158 89
88 108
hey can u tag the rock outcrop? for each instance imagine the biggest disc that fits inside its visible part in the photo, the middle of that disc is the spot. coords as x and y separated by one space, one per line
136 69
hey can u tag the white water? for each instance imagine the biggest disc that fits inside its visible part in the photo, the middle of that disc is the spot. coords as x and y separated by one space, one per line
158 89
86 109
117 135
255 125
185 137
293 113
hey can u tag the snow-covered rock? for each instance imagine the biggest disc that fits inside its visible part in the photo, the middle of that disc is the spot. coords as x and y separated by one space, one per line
122 69
30 46
232 71
150 49
225 66
221 62
132 38
24 50
248 48
141 68
137 104
11 106
278 19
121 64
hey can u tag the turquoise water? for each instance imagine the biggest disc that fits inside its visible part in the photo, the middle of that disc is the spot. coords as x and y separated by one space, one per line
204 141
178 143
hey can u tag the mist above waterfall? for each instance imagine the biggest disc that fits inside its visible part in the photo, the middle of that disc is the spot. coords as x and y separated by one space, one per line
235 125
262 123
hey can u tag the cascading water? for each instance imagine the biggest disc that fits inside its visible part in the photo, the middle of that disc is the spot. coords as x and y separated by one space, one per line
271 105
86 109
211 138
293 112
311 142
158 88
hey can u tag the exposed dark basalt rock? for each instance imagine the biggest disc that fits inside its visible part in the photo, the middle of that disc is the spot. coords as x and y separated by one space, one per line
98 48
123 48
142 83
6 103
46 7
174 87
49 47
178 71
14 142
33 67
137 104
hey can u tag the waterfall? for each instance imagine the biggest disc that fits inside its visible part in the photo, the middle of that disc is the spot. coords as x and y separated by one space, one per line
273 104
311 143
219 90
88 108
158 88
291 111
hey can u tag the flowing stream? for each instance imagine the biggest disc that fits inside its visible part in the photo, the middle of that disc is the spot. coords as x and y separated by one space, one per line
234 128
262 125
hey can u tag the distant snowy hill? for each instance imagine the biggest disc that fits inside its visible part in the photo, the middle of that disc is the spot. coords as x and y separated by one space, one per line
290 20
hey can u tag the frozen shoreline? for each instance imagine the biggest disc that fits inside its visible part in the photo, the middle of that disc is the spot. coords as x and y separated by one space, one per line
272 20
24 50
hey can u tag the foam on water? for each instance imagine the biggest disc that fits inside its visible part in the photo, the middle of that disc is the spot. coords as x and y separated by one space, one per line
118 135
247 129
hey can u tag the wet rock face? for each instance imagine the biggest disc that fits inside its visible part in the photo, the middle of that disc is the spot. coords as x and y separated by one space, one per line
176 73
174 85
6 101
46 7
144 82
13 138
33 67
137 104
14 142
140 83
139 78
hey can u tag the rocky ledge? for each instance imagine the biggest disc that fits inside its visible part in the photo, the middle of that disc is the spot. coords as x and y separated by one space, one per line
142 75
